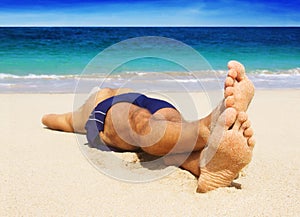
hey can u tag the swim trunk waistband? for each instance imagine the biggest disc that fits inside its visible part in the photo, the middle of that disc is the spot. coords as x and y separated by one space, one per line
96 121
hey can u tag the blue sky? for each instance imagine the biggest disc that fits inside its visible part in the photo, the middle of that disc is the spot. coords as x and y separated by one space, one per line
149 13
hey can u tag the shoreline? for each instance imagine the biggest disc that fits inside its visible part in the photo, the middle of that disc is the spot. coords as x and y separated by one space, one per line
45 172
140 82
165 91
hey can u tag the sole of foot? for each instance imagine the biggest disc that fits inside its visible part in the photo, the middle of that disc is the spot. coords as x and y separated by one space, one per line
228 151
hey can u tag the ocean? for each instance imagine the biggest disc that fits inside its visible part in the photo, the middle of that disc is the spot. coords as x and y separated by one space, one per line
61 59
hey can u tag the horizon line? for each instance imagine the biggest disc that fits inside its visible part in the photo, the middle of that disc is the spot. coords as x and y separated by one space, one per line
149 26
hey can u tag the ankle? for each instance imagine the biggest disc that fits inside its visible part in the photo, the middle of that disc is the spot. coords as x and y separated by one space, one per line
69 122
204 130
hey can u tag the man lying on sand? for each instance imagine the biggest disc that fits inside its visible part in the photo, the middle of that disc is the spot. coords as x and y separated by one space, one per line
131 121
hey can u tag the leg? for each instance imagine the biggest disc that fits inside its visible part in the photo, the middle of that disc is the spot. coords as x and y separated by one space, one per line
165 132
75 121
238 94
237 86
191 162
127 125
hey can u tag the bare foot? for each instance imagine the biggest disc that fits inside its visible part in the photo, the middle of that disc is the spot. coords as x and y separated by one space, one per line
229 150
239 90
61 122
238 93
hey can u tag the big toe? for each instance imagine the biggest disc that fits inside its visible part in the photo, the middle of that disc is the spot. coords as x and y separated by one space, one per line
239 68
227 118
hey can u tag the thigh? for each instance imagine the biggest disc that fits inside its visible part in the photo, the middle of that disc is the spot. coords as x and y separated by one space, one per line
119 130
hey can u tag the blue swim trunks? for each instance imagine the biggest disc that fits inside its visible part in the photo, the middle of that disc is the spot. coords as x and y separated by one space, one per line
96 121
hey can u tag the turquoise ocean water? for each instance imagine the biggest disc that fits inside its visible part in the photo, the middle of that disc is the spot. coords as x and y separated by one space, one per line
45 59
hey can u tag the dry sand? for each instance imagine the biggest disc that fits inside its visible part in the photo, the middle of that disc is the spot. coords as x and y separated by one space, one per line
44 172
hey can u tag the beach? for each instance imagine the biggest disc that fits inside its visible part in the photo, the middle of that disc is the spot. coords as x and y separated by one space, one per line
52 69
45 173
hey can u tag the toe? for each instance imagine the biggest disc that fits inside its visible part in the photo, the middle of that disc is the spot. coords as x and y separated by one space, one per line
248 132
229 101
228 91
226 120
229 117
232 73
240 69
251 142
229 82
245 125
241 118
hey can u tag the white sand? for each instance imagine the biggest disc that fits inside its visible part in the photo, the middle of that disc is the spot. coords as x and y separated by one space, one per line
44 173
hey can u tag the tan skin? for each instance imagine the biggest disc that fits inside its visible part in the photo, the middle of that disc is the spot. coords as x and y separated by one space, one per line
129 127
